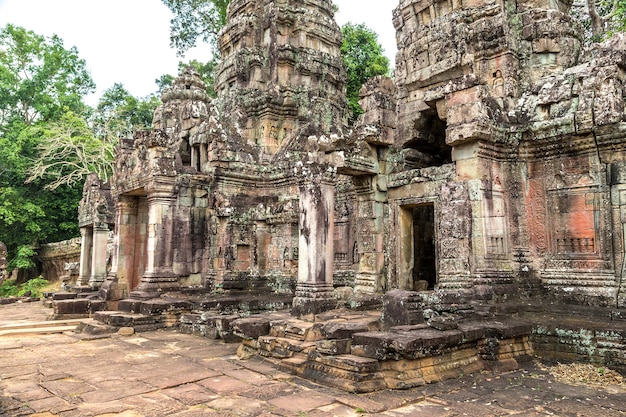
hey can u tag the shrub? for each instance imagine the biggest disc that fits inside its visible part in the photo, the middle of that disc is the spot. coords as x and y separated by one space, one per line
33 287
8 288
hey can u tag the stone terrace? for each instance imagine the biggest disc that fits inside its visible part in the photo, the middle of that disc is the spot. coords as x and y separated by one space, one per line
69 375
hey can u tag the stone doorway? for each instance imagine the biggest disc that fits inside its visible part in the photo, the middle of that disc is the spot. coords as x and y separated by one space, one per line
417 235
133 241
424 270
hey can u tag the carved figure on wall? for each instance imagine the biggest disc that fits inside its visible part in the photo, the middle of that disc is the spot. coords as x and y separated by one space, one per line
498 84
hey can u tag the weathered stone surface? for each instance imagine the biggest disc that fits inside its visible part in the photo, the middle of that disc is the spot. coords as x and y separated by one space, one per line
492 167
343 330
443 322
401 308
126 331
334 346
252 327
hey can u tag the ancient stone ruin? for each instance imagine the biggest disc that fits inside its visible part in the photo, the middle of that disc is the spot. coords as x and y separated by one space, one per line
486 180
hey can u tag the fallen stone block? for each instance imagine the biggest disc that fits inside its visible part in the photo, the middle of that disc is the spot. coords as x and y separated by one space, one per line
251 327
342 330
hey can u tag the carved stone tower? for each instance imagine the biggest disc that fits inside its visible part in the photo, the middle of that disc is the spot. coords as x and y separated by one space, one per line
282 71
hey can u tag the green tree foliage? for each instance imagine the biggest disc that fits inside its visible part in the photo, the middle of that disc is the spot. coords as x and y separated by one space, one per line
600 19
205 70
70 148
364 58
40 81
39 78
67 151
606 17
195 19
118 113
31 288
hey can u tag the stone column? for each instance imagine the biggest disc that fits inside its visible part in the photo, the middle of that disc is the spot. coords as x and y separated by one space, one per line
314 291
99 255
159 274
110 289
85 256
195 158
204 156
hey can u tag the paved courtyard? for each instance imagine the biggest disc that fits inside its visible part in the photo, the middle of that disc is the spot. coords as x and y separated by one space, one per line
164 373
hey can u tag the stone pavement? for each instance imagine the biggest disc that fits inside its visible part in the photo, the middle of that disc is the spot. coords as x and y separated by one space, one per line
165 373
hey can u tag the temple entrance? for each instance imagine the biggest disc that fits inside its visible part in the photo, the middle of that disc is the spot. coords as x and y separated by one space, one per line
424 270
133 232
418 264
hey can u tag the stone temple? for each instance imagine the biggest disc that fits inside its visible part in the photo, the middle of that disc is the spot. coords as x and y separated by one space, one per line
490 169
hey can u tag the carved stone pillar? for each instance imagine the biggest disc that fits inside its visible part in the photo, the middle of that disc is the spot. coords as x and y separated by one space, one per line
314 291
159 274
110 288
99 255
123 268
85 256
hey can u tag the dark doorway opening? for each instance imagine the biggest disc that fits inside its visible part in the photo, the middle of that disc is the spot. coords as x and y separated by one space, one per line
424 254
429 147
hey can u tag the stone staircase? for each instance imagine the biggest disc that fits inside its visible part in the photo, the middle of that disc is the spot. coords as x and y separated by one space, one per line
37 328
201 314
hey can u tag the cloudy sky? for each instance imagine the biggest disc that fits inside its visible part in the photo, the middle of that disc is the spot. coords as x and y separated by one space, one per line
127 41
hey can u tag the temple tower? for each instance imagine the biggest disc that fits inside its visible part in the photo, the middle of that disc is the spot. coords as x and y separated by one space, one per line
282 71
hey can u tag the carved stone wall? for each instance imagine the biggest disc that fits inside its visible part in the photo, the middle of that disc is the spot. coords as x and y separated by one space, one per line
493 160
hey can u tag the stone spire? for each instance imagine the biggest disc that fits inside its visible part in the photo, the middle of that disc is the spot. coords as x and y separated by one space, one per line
282 72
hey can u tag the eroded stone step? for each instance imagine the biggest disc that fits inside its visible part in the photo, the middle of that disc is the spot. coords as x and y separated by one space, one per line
120 319
39 324
37 330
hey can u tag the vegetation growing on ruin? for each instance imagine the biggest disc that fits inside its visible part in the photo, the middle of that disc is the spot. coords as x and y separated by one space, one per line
364 58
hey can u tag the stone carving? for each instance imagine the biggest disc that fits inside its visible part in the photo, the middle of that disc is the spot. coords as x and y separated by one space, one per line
500 135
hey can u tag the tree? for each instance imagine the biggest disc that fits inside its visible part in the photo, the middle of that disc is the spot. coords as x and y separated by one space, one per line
40 81
70 148
67 151
206 72
364 58
195 19
606 17
118 112
599 18
39 78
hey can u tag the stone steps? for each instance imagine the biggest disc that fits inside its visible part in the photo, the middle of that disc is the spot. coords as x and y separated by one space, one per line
356 356
117 319
44 327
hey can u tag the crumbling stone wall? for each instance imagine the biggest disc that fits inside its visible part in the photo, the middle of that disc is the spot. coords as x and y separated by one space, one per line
57 259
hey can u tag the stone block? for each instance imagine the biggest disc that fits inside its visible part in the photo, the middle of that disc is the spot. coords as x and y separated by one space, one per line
343 330
251 327
443 322
334 347
375 345
64 296
159 306
72 306
401 308
508 328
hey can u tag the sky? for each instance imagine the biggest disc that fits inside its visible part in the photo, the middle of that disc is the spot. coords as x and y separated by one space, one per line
127 41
